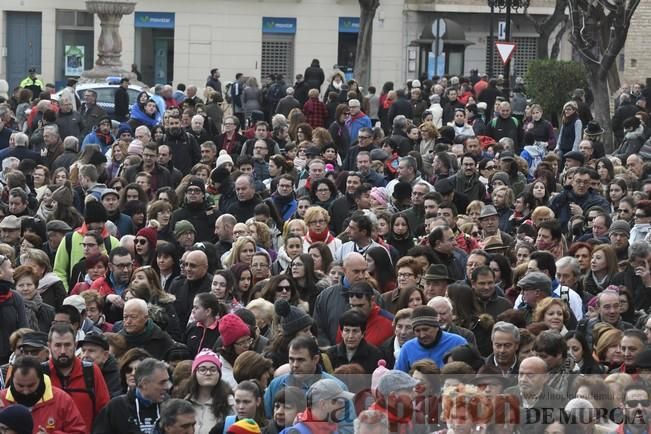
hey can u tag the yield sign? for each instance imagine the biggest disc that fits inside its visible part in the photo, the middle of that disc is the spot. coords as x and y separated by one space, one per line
506 50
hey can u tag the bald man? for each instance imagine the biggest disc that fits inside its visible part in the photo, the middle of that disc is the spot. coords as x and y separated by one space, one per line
332 302
224 234
141 332
196 280
535 396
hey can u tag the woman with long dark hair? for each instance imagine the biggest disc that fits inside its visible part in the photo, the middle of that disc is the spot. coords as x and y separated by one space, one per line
321 255
282 287
307 281
209 394
202 333
381 268
571 130
579 349
400 233
223 287
243 282
603 267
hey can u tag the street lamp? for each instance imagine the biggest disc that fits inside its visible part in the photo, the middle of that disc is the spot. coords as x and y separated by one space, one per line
507 6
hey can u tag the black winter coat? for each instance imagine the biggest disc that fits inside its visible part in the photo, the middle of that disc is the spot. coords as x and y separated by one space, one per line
120 415
366 356
121 100
111 373
202 218
185 151
12 317
185 290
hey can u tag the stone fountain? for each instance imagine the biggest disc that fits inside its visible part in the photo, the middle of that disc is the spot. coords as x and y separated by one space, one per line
109 45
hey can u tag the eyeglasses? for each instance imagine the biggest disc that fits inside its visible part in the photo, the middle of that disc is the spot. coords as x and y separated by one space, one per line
193 191
141 241
123 266
317 222
405 275
490 167
204 370
625 211
635 402
88 245
363 137
283 288
581 182
247 343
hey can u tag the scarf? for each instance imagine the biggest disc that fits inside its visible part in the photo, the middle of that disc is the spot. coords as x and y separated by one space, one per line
31 309
325 236
29 399
399 425
316 426
138 340
601 284
5 291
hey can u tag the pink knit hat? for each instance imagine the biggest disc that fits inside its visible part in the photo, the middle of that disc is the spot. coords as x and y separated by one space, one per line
378 373
380 195
231 328
206 355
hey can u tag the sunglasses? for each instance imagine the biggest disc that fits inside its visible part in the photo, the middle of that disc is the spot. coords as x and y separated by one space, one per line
283 288
140 241
635 402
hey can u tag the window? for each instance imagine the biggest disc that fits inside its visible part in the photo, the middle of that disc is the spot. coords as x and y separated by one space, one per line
277 56
525 51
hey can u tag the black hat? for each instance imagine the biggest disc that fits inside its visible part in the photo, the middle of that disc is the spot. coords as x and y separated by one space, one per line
104 119
219 175
292 318
379 155
17 418
34 340
195 181
575 155
402 190
95 339
593 129
313 151
95 213
444 186
507 156
31 70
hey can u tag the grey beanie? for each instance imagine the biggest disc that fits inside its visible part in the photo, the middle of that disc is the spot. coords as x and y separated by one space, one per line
502 176
292 318
620 226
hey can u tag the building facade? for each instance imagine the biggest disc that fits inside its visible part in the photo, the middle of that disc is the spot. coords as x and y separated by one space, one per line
175 41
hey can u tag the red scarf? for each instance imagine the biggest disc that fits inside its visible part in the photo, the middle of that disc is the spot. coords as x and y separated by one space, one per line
316 426
6 297
325 236
399 425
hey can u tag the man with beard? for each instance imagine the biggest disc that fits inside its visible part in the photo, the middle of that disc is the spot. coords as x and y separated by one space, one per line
100 136
619 233
467 180
115 282
95 349
344 205
183 146
49 406
160 176
247 200
90 112
197 130
637 404
83 381
196 210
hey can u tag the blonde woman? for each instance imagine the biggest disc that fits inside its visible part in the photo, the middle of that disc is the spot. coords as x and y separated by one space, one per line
317 220
242 251
553 313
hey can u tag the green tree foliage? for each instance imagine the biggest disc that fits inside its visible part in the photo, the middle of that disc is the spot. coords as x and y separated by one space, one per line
551 82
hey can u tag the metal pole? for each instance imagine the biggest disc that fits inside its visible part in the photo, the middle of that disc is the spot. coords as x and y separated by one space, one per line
491 39
507 65
436 51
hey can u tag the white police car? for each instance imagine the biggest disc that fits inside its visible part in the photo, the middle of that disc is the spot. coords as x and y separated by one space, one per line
106 93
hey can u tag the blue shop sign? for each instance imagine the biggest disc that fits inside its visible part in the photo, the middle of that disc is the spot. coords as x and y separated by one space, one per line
278 25
155 20
348 24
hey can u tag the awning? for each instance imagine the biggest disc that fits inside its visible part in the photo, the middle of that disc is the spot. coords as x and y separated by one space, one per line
454 34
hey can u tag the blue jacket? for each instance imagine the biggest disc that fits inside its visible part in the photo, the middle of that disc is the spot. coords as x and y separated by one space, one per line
354 125
412 351
561 204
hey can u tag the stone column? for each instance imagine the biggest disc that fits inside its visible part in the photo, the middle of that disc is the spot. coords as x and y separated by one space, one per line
109 45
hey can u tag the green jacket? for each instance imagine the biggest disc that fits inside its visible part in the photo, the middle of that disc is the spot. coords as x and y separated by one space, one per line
64 260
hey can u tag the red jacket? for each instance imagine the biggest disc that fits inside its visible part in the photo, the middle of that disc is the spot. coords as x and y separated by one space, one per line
316 113
82 399
379 326
56 411
103 286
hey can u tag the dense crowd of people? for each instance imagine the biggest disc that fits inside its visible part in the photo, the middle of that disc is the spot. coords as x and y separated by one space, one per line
321 258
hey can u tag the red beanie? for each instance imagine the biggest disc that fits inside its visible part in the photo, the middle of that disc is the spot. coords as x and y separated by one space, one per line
232 328
151 235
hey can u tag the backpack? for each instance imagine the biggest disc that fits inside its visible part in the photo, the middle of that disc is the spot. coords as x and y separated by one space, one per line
107 247
89 379
275 92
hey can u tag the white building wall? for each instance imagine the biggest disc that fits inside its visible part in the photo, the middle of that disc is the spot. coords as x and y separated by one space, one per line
228 34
